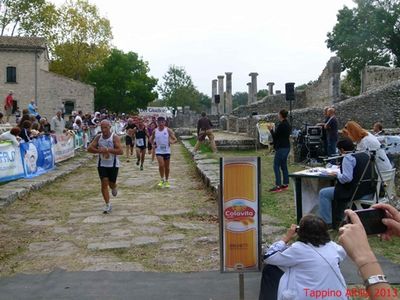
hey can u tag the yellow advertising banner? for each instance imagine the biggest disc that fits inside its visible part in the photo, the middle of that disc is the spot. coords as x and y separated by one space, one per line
240 233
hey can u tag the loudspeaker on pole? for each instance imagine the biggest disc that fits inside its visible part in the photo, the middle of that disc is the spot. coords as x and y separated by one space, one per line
289 90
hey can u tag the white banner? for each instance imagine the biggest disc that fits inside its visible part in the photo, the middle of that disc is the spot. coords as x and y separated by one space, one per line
63 147
10 162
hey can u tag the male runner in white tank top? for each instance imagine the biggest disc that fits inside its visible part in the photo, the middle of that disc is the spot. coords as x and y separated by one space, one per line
162 137
108 146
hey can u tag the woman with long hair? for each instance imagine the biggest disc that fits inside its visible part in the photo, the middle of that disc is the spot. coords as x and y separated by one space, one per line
368 142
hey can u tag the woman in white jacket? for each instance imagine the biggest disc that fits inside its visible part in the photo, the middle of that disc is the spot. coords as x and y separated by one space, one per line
310 266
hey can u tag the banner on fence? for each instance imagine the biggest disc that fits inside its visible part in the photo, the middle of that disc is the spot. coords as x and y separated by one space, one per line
37 156
10 162
63 147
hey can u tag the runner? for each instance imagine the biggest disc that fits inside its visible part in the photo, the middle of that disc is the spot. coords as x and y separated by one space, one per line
162 137
140 132
108 146
150 129
129 137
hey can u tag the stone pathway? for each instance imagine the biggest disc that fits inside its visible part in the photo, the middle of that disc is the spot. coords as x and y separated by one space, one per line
150 229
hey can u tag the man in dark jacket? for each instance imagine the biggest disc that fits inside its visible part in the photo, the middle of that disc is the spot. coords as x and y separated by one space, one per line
351 170
280 137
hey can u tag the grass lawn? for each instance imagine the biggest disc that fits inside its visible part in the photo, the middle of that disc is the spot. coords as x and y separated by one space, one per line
282 206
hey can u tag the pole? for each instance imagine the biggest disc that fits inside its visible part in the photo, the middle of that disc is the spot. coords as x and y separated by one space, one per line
241 286
290 114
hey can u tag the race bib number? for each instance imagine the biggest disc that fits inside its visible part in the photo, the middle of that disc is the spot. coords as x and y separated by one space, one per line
140 142
163 147
106 156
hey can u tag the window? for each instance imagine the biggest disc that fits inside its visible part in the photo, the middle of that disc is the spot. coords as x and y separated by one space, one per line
11 74
69 106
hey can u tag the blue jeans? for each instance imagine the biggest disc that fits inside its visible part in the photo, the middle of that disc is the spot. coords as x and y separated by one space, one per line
280 163
325 204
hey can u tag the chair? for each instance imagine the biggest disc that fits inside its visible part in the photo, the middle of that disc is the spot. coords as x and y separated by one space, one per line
388 182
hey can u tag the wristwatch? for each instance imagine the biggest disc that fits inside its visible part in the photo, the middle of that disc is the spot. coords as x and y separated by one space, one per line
375 279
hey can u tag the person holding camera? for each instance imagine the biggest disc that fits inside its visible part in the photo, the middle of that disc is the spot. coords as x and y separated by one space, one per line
308 266
351 172
353 238
280 138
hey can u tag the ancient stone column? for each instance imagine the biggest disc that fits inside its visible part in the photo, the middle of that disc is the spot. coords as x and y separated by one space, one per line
249 97
221 106
253 76
213 93
334 68
270 88
228 101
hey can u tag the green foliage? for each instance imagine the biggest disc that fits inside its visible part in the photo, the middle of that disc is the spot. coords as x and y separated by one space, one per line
122 83
178 90
368 34
27 17
261 94
239 98
82 41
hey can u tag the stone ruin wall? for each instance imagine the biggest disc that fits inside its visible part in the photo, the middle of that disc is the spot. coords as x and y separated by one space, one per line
373 77
382 104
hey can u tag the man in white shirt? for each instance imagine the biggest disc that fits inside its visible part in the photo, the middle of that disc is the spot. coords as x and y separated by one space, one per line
57 123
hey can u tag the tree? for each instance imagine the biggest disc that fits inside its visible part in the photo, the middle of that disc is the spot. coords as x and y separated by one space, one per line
27 17
82 41
179 90
368 34
262 93
239 98
122 83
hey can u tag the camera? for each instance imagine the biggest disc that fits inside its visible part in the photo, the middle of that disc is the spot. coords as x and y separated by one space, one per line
371 218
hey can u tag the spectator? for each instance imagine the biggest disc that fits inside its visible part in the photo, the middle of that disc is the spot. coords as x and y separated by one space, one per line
25 117
8 105
1 119
367 142
57 123
331 127
44 126
12 135
354 240
308 265
204 129
378 129
32 108
280 137
70 122
352 170
25 133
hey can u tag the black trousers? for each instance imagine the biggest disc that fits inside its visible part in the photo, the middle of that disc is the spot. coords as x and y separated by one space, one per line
270 278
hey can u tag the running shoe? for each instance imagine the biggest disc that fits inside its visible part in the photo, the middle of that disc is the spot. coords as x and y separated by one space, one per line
166 184
141 167
138 162
161 183
114 192
107 208
275 189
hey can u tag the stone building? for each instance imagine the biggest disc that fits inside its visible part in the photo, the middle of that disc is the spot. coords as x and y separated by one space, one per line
24 69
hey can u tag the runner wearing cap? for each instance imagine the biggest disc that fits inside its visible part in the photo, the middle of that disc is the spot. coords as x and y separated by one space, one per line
162 137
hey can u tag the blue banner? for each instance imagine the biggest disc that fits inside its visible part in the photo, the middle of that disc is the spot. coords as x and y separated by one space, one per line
10 162
37 156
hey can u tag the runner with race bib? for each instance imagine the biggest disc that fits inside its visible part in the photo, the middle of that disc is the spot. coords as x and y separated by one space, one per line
141 135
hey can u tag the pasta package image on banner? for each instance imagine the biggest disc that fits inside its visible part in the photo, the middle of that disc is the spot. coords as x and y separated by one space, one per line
239 214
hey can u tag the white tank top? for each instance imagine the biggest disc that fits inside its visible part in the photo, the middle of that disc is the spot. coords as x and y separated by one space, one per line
112 159
162 141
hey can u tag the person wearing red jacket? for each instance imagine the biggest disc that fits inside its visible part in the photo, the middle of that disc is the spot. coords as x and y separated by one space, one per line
8 105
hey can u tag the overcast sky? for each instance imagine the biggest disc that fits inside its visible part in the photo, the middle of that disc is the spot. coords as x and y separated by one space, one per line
282 40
